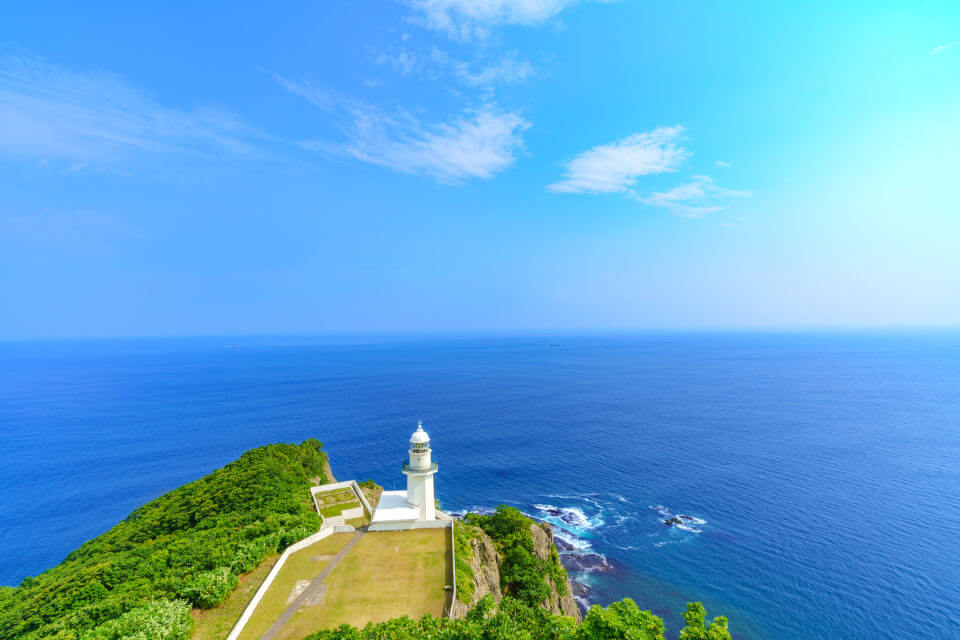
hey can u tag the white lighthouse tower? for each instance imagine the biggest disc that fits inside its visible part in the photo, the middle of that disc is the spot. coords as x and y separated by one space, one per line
419 470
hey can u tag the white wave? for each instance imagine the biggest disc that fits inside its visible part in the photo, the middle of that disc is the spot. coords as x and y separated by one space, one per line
575 542
573 517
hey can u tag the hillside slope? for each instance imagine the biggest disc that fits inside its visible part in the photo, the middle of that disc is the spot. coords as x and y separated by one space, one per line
182 550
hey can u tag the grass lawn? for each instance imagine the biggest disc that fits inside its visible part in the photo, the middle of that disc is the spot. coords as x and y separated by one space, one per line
375 582
338 495
302 565
215 624
337 509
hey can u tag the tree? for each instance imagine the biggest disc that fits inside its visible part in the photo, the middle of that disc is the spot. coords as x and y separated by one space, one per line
622 620
697 629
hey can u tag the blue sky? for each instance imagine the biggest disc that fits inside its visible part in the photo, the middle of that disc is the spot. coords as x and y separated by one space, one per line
445 165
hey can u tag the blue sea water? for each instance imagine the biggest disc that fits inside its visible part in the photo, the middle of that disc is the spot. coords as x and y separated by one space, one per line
823 470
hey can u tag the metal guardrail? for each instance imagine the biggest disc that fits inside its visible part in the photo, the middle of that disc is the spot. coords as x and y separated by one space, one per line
453 567
408 469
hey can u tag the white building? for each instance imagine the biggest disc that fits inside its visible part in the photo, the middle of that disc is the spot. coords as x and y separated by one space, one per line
415 507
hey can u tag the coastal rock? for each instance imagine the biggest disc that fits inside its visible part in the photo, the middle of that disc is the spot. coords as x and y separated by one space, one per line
485 563
563 545
672 521
580 590
543 546
585 562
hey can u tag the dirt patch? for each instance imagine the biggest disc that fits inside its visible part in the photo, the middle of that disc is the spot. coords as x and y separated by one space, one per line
317 596
297 590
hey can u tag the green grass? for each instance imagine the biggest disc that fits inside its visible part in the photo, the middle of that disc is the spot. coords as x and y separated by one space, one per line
337 509
388 574
463 534
305 564
335 496
216 623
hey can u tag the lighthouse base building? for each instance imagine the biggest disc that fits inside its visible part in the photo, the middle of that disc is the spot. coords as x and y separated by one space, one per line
414 508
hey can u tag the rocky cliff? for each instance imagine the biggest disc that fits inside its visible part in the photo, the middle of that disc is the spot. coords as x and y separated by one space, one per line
485 562
561 600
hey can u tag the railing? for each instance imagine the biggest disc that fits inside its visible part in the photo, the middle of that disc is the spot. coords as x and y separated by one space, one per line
453 565
408 469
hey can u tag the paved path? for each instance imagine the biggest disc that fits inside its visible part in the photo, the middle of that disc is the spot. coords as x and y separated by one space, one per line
311 588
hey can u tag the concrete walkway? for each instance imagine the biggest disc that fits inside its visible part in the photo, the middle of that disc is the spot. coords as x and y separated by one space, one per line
312 588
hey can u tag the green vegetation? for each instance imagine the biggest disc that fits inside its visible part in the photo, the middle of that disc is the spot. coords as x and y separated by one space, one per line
622 620
139 579
337 509
513 618
463 534
522 573
335 496
697 628
215 624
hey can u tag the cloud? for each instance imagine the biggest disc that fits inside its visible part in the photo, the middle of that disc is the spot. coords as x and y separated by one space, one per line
435 64
943 48
478 143
693 199
721 163
505 71
50 113
468 19
615 167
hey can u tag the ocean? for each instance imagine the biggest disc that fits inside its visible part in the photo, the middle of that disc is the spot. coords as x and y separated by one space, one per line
815 477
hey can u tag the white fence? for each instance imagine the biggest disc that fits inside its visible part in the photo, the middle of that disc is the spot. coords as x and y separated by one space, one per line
258 596
328 526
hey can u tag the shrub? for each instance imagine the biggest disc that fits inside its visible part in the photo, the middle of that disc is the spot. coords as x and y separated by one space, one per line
287 538
208 589
156 620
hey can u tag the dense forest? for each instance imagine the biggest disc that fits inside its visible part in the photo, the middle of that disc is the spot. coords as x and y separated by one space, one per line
183 550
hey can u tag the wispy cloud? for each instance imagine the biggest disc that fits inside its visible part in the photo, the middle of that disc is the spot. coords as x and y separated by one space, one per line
466 19
51 113
74 232
507 70
435 64
693 199
615 167
721 163
478 143
943 48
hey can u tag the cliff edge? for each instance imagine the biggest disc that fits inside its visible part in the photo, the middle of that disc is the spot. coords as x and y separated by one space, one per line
561 599
483 545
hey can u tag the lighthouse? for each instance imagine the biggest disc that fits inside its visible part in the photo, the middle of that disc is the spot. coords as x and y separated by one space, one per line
419 469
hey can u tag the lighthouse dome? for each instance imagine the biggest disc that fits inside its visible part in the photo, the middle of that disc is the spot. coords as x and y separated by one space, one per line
419 436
